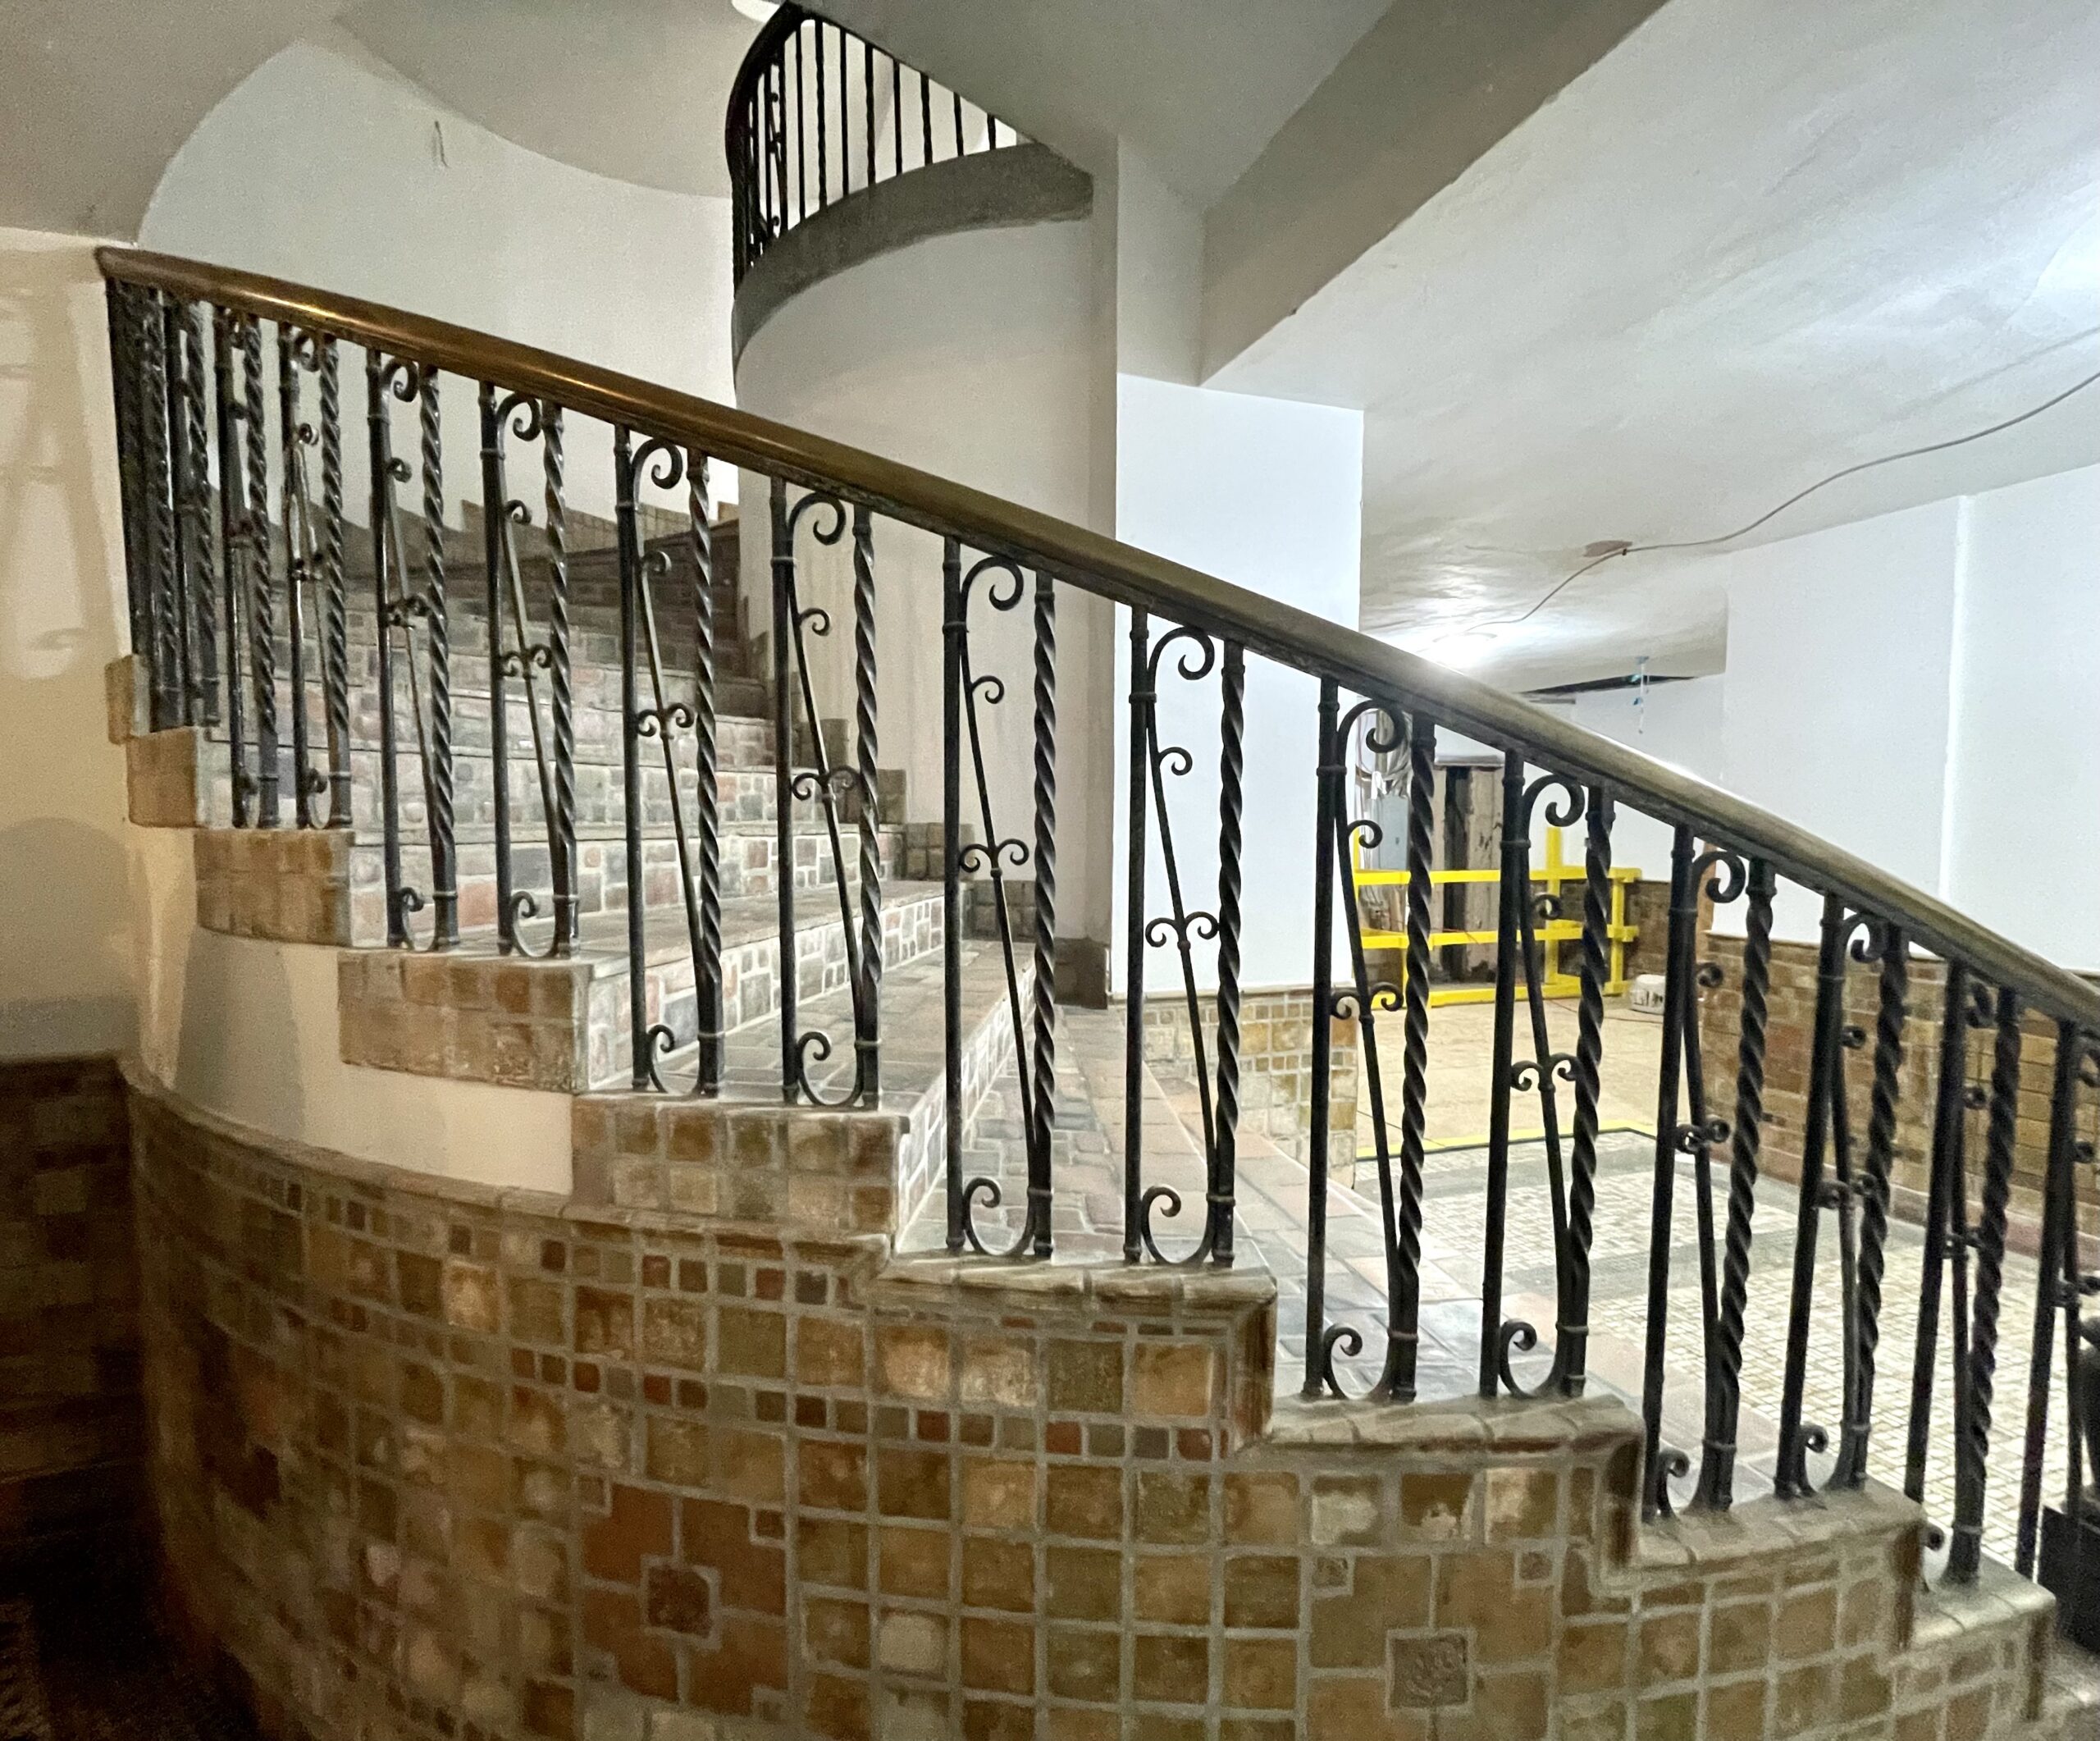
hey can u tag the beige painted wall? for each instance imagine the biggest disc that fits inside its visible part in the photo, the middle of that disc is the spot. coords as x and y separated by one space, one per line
65 975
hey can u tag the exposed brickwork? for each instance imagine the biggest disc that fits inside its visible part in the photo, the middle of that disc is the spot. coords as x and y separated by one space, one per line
286 885
1275 1065
166 785
436 1459
69 1363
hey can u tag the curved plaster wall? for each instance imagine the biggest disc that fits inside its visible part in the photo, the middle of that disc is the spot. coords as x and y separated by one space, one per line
328 167
971 356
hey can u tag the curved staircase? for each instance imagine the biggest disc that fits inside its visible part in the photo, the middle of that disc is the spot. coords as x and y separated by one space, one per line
848 1390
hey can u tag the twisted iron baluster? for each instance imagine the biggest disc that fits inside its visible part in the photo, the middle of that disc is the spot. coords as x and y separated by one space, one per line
1892 950
867 1003
233 515
2056 1290
1798 1439
262 632
444 864
1724 1364
1133 938
175 434
298 554
1232 763
395 607
1513 893
1183 925
1360 1002
709 1079
990 857
334 615
1045 882
561 684
125 368
1322 1341
1404 1311
197 512
168 701
1972 1447
1571 1334
1948 1120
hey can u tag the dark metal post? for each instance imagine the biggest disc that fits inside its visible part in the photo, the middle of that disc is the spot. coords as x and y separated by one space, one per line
444 863
1679 1009
783 781
867 1001
1948 1119
1724 1386
1043 1102
1232 762
335 613
1973 1446
1795 1438
194 469
232 555
1571 1334
562 825
953 629
2051 1293
1328 793
297 515
709 986
1134 941
262 627
1511 888
495 528
1404 1310
642 1073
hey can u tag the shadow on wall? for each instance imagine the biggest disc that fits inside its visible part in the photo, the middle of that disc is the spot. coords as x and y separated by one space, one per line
65 983
237 996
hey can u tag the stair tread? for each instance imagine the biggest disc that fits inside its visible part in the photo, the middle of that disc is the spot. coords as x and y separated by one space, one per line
601 938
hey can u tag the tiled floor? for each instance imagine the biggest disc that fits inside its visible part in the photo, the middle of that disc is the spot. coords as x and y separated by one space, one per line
1272 1218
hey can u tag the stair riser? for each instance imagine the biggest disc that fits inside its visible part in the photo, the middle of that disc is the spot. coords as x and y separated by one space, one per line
565 1026
748 869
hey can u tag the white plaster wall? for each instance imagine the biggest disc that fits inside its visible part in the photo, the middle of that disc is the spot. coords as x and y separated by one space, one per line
2023 826
65 970
327 167
251 1031
1836 710
969 356
1266 493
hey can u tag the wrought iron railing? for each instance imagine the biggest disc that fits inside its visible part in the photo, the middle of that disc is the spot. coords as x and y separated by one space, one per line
209 613
818 114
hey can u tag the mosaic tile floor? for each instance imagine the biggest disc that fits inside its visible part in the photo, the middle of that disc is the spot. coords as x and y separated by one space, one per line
1272 1228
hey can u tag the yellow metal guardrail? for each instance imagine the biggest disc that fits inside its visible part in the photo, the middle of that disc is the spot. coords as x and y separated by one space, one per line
1555 874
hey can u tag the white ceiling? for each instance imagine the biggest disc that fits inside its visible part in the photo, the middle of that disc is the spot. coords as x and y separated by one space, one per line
1752 246
633 88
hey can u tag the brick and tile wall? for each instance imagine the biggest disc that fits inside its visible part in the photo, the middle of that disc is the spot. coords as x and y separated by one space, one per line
69 1413
1275 1065
435 1459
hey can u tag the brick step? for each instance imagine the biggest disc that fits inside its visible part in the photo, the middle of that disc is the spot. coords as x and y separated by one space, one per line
473 1014
746 1157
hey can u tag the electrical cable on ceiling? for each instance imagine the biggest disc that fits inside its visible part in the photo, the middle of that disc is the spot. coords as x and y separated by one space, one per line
1741 532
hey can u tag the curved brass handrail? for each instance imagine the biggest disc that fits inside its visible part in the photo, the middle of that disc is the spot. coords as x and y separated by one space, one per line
1183 595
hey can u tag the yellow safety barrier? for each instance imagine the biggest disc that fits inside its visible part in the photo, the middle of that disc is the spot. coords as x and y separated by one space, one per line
1555 875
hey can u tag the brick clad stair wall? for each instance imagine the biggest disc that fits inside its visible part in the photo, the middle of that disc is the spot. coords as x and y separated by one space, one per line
695 1453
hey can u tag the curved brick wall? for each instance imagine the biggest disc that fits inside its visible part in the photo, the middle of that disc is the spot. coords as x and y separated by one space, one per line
437 1461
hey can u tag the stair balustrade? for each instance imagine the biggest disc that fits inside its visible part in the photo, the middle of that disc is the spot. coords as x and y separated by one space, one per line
1962 1020
818 113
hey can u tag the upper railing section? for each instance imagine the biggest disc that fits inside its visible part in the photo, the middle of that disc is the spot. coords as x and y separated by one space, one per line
818 114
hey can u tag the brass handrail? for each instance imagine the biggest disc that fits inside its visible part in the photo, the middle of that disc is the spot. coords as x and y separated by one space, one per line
1138 578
